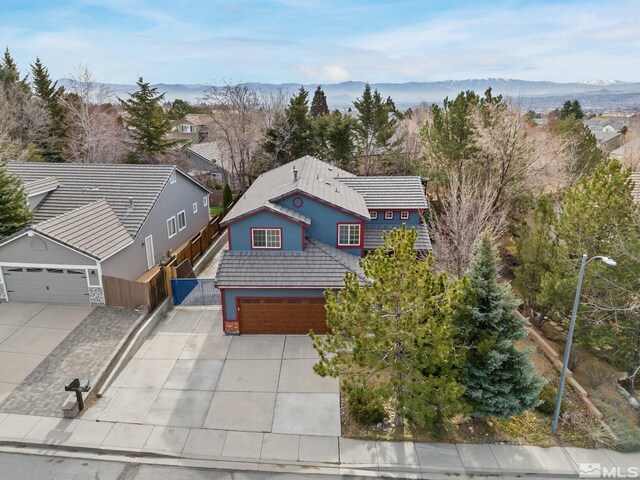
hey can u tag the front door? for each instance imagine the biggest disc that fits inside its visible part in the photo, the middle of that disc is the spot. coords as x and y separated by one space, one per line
148 245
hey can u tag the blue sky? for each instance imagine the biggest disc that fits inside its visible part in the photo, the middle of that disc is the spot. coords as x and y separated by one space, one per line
326 41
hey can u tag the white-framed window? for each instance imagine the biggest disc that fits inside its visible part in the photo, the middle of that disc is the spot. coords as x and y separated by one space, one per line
268 238
349 235
182 221
388 215
172 178
171 227
373 215
404 215
187 128
205 200
195 207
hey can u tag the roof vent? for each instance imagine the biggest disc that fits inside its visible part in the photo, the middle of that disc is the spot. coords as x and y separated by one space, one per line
330 169
337 190
131 203
328 183
295 174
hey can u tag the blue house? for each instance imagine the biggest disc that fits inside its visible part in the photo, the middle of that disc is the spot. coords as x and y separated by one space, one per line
296 232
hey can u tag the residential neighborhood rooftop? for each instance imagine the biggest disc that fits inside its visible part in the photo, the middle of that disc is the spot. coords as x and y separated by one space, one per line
389 192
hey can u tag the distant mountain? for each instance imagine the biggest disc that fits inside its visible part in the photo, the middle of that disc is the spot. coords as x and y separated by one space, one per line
592 94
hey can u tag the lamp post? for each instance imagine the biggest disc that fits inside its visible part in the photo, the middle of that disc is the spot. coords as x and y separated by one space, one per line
567 349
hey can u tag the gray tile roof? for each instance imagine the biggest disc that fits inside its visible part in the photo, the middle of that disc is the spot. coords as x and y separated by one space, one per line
83 183
94 229
373 236
389 192
318 266
209 151
41 186
605 136
315 178
289 212
635 178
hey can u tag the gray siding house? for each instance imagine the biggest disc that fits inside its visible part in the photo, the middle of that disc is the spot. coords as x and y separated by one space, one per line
92 220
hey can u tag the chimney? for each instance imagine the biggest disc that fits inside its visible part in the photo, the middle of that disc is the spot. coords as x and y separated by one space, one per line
295 174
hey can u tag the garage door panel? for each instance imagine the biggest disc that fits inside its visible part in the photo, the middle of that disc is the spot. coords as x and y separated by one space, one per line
47 285
282 316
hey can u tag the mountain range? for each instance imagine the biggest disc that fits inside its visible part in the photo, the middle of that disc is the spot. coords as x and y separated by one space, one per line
595 95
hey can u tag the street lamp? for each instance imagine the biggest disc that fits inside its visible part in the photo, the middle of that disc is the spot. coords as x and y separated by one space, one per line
567 349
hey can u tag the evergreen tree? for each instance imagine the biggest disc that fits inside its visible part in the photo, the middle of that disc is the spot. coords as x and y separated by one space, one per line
148 122
50 94
227 196
9 73
14 209
571 108
581 145
319 103
391 331
334 140
498 378
180 108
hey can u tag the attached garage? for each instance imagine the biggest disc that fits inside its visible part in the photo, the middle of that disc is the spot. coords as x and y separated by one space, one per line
50 285
279 315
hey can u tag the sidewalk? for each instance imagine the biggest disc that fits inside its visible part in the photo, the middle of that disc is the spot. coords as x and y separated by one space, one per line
321 454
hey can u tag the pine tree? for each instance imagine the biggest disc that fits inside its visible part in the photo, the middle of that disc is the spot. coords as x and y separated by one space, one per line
227 196
319 105
9 73
148 122
14 209
393 334
50 94
498 378
571 108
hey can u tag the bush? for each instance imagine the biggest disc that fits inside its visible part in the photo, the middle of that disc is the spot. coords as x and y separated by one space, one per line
596 375
548 397
365 405
227 196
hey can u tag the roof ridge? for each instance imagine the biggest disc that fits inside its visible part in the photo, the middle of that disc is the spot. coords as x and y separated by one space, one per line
320 245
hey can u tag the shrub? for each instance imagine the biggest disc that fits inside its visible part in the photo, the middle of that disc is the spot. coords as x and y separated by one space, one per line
596 375
548 397
365 405
227 196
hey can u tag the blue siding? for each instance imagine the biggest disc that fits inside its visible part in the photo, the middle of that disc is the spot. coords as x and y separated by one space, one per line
241 231
414 218
230 295
324 220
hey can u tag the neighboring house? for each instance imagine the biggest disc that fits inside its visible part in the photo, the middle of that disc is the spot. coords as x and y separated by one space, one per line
605 125
194 128
296 232
635 178
91 220
205 159
608 141
629 153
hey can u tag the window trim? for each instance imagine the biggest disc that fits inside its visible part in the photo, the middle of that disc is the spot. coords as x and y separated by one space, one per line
191 128
184 216
349 245
373 214
276 229
195 207
175 226
388 215
404 215
172 178
205 201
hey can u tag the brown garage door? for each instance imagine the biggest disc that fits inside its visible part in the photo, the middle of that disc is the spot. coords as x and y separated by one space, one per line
282 315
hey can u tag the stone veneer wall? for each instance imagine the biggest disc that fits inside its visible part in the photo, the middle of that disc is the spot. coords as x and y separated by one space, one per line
96 296
3 293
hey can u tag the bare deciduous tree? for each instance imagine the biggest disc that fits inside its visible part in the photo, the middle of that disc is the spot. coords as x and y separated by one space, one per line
95 134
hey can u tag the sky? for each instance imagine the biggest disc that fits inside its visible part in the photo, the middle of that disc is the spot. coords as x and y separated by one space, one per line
326 41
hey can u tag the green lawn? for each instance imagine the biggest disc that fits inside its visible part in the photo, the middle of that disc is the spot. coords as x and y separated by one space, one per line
215 211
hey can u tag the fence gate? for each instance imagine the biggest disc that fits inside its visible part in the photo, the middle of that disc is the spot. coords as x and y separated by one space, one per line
190 292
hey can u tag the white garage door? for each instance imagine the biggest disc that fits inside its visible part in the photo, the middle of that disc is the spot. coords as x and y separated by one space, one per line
50 285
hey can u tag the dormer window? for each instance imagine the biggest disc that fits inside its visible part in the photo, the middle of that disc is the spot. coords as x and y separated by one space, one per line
404 215
373 215
187 128
349 235
266 238
388 215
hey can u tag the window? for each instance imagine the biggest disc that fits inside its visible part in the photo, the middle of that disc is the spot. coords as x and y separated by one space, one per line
171 226
266 238
388 215
373 215
182 221
404 215
195 207
186 128
205 201
349 235
172 178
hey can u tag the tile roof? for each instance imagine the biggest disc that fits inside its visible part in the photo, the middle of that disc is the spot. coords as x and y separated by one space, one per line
94 229
318 266
41 186
315 178
289 212
83 183
373 236
209 151
605 136
635 178
389 192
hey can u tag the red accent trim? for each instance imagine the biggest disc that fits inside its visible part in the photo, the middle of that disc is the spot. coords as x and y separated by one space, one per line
362 239
360 224
303 238
229 237
297 202
224 307
260 210
397 209
265 228
319 200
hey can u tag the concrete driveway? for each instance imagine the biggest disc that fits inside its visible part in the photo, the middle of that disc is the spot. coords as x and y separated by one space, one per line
28 333
188 374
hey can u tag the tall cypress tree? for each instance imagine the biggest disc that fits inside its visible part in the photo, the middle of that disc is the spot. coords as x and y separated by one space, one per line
498 378
53 145
319 103
14 210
